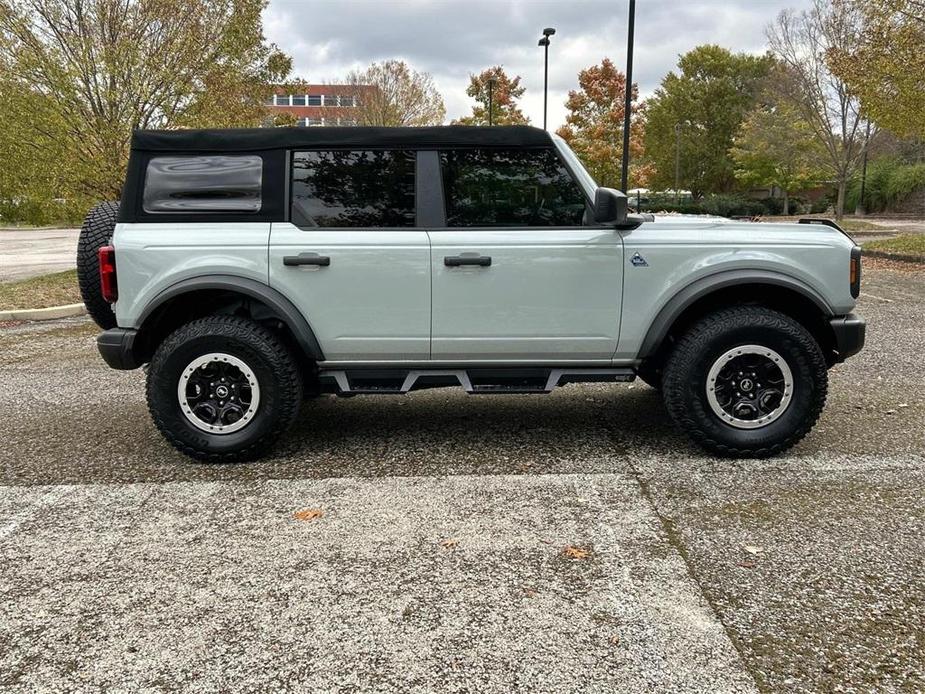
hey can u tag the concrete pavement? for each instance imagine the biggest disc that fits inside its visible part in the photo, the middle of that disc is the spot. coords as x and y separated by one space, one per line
30 252
404 584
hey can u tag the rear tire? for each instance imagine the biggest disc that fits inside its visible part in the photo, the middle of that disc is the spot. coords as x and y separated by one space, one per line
223 389
711 390
95 233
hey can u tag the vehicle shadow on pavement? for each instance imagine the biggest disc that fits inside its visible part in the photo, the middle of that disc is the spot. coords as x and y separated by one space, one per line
582 429
578 429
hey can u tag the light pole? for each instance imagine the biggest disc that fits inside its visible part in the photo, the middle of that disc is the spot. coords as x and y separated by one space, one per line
628 104
544 42
677 162
861 207
491 89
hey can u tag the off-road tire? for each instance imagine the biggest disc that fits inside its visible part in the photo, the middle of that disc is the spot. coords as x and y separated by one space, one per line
273 364
685 374
95 233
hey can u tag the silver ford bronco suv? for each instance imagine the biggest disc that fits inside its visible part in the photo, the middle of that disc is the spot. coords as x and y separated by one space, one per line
253 269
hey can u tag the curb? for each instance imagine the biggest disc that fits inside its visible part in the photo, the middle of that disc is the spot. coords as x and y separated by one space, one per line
52 228
50 313
917 259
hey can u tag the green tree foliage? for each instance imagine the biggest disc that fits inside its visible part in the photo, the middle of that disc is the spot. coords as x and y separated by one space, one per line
884 67
504 95
801 41
391 93
889 182
707 99
594 125
83 73
776 148
31 151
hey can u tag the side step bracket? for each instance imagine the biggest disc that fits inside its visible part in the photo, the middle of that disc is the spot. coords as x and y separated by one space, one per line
476 381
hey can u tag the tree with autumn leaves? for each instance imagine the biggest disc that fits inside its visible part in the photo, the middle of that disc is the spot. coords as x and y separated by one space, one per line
504 93
392 93
76 76
884 65
594 125
776 148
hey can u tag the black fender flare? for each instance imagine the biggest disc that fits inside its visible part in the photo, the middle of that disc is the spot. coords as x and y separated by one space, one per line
276 301
700 288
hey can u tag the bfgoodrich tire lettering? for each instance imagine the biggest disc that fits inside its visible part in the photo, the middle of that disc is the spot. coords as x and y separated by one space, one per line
684 381
266 357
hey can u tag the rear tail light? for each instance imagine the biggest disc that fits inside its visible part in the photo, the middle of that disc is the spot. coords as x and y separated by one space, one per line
854 273
108 286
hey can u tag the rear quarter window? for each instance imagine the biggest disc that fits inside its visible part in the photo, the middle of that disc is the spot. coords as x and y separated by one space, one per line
203 183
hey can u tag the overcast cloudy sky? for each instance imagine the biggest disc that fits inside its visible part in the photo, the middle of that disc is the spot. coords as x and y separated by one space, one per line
452 38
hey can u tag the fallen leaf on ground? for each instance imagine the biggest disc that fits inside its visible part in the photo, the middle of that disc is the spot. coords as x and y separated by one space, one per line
752 549
573 552
747 564
307 514
449 544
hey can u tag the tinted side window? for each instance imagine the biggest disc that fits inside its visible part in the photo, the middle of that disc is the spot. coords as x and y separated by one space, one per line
353 189
204 183
509 188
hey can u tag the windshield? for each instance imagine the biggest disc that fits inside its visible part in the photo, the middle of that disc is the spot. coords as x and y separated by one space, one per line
574 163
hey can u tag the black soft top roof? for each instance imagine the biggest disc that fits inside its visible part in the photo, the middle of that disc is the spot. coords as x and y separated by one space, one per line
256 139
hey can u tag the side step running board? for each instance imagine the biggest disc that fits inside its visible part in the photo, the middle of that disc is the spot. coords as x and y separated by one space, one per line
474 381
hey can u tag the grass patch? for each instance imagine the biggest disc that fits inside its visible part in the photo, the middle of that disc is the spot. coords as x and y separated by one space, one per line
56 289
907 244
861 225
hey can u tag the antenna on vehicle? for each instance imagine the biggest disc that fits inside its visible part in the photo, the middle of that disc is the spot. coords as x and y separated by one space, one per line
629 97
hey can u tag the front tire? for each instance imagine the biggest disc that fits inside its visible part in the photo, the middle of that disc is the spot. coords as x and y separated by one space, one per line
745 382
223 389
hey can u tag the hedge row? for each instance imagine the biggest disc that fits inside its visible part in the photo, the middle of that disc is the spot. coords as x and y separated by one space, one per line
40 213
733 206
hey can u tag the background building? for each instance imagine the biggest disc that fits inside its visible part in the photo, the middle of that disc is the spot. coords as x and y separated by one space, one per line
321 104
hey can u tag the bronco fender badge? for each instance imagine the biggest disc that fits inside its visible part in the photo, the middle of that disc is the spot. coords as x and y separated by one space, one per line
638 260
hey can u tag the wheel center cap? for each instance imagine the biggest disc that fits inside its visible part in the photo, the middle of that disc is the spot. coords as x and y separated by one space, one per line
222 391
745 385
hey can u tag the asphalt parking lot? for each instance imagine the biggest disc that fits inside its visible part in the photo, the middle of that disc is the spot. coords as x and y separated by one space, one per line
440 559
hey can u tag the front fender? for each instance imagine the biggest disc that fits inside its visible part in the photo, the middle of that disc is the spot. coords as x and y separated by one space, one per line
700 288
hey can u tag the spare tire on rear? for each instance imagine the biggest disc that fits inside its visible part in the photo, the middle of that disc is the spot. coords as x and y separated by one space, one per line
95 233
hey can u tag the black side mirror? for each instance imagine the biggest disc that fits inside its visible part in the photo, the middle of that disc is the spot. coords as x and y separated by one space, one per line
609 206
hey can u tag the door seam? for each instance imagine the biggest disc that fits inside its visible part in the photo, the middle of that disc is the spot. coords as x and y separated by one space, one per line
430 274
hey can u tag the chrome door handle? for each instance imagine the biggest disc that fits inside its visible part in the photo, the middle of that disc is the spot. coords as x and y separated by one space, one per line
458 260
306 259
